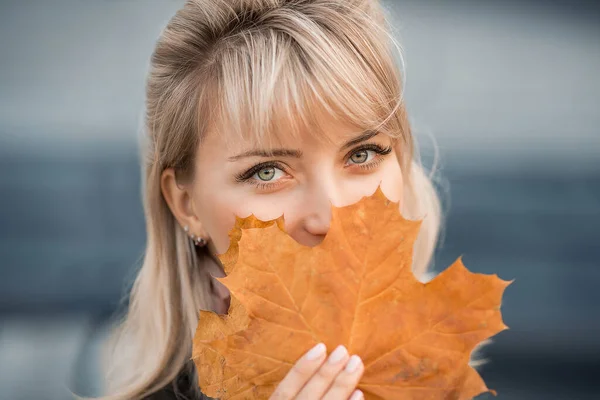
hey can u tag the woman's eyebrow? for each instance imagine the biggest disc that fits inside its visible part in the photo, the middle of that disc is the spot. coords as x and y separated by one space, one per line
366 135
298 153
268 153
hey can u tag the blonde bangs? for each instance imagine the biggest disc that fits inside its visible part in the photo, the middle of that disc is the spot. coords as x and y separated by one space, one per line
287 79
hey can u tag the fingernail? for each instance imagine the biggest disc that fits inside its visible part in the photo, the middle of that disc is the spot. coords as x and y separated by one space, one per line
338 354
316 352
353 363
357 395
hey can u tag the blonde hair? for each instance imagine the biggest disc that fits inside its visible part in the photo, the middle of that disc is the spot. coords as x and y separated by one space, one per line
250 66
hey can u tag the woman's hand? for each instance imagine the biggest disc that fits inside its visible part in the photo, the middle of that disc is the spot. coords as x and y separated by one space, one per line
314 378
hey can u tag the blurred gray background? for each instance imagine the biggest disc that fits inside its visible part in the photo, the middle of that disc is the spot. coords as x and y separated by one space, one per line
509 90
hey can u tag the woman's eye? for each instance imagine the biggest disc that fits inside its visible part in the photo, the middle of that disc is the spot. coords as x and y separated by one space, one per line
368 156
361 156
267 174
263 176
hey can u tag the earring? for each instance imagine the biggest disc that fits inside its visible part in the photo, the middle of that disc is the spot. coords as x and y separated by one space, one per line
198 241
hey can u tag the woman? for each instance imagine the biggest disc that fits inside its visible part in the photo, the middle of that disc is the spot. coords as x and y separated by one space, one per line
268 107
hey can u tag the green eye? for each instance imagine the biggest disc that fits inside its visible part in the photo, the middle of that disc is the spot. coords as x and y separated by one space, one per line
266 174
360 156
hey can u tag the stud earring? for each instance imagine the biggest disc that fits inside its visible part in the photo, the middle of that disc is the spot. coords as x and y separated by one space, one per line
198 241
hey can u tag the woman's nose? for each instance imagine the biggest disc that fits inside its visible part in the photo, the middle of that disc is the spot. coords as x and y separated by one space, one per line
317 222
316 210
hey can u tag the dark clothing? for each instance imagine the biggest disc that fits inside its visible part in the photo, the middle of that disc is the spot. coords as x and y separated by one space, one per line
183 387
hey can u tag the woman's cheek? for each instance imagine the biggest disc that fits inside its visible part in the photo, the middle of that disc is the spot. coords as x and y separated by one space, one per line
389 178
358 186
223 216
219 219
266 206
392 183
220 232
393 188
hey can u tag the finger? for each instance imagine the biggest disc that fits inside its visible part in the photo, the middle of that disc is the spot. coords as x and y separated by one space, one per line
300 373
345 382
322 379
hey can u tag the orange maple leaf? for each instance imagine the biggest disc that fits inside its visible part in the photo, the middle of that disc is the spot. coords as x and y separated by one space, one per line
356 288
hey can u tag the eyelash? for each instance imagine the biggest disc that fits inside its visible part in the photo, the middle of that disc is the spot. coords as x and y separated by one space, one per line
246 177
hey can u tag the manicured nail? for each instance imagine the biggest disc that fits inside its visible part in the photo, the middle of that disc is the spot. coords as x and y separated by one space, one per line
316 352
357 395
353 364
338 354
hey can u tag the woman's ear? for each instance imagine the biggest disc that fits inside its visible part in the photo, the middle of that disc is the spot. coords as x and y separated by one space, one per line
179 200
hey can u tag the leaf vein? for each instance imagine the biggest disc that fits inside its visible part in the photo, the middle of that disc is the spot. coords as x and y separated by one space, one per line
421 333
